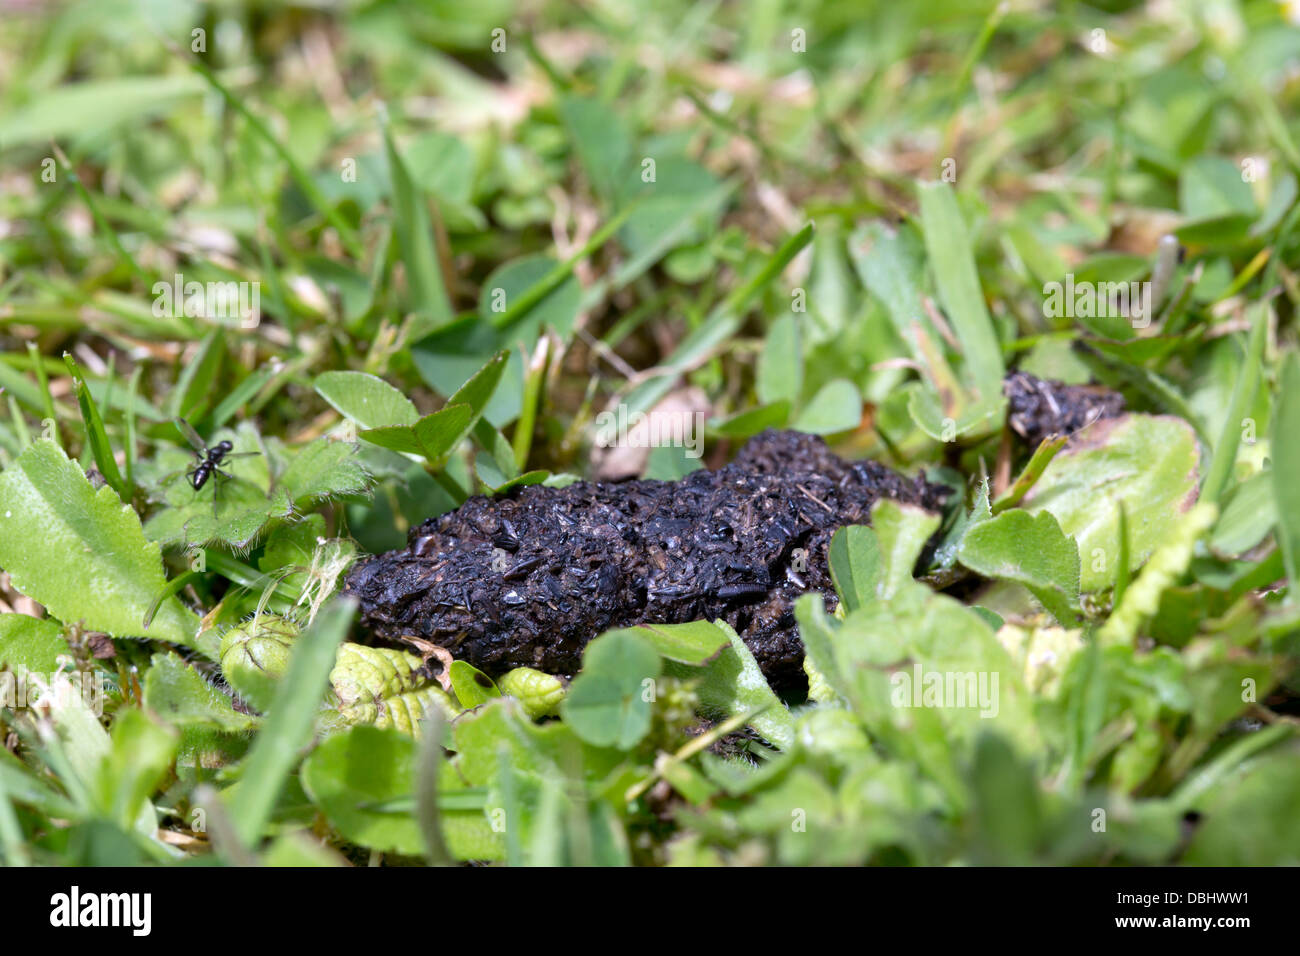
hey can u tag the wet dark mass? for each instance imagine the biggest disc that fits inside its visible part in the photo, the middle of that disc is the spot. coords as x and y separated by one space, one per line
528 578
1040 408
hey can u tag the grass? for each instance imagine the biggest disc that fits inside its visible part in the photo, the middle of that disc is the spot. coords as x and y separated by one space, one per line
420 249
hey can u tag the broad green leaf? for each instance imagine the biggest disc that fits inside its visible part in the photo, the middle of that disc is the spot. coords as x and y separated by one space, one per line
1249 819
1006 806
177 693
888 260
478 389
1213 186
1166 565
609 702
692 643
557 310
752 421
82 553
34 644
322 469
139 757
1149 463
855 565
1249 516
836 407
601 140
471 685
366 399
446 359
538 692
77 109
901 533
433 436
1031 550
780 366
733 685
351 775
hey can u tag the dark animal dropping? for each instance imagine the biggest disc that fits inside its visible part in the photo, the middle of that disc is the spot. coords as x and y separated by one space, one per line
740 543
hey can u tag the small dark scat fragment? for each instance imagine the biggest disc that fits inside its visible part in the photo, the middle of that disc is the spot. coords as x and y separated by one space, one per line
594 556
1039 408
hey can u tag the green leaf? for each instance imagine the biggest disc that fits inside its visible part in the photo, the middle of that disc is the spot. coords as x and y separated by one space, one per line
323 469
433 436
952 262
1166 565
752 421
1250 514
538 692
352 774
1212 186
177 693
780 366
855 565
1148 463
609 704
505 290
1249 818
733 685
80 109
1286 465
194 388
96 437
414 229
366 399
471 685
82 553
139 758
1031 550
289 725
837 407
1243 398
31 643
601 140
901 532
692 643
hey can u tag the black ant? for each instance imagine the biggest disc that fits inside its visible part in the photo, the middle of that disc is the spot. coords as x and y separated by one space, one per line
210 459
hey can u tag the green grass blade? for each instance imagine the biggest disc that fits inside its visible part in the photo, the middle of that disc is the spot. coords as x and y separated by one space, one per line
96 437
291 720
415 237
1243 396
953 263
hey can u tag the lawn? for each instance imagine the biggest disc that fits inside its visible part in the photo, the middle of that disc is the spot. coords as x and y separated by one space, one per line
281 282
